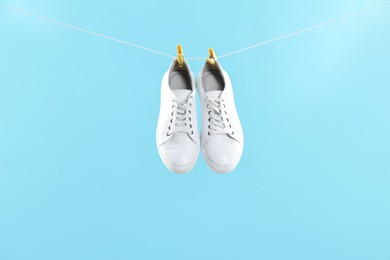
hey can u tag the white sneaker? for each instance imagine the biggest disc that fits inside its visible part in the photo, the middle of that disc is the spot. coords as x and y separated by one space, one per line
222 138
177 134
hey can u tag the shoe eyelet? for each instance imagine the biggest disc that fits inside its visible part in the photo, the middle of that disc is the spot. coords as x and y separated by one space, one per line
169 127
168 134
192 132
227 120
230 125
232 132
190 126
189 118
208 127
208 133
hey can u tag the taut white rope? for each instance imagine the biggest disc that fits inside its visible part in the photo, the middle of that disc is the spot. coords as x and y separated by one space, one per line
336 20
84 30
307 29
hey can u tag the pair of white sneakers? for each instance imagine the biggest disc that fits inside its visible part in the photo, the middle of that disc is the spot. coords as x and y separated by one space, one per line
177 136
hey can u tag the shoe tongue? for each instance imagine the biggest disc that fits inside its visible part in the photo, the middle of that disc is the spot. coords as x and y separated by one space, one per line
182 94
214 94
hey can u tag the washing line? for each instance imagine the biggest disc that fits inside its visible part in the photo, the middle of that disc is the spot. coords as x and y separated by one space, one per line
311 28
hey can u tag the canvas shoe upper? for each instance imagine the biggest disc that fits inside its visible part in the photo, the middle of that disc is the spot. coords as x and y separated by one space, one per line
177 135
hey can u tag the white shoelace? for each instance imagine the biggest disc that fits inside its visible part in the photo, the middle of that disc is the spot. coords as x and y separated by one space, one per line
218 118
181 117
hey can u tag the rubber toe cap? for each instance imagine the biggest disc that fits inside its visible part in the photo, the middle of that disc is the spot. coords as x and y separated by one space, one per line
179 153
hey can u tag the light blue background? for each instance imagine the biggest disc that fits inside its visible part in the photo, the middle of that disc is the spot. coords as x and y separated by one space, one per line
80 176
